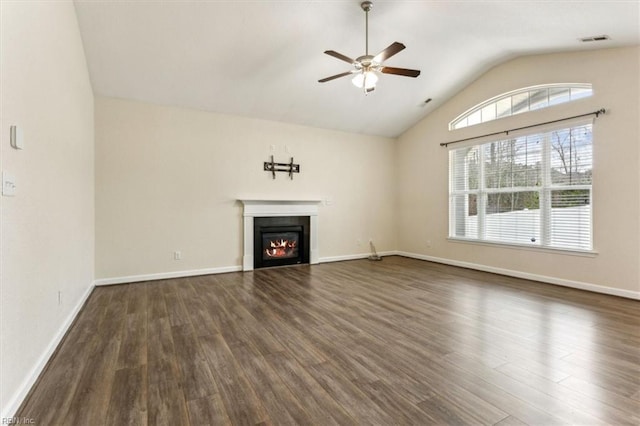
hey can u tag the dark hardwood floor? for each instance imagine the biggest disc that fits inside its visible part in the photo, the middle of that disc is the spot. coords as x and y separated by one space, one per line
400 341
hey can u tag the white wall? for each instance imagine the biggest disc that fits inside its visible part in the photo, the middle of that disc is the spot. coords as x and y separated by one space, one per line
47 238
167 179
423 170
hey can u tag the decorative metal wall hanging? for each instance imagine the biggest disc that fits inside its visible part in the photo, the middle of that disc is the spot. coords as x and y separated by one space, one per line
289 167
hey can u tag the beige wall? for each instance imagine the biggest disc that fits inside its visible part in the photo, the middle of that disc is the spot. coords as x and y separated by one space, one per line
167 179
423 168
47 238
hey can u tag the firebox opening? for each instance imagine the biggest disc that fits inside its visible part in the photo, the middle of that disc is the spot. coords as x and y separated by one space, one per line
280 241
280 245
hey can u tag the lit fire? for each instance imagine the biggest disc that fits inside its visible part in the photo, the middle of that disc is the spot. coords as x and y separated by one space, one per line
281 248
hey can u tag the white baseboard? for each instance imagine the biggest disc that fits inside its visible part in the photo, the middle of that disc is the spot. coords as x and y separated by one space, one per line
20 394
167 275
210 271
512 273
526 275
354 256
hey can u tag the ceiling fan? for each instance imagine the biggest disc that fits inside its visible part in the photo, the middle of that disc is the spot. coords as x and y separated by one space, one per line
367 66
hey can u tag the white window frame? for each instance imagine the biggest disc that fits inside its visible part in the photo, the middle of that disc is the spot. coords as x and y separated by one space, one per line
544 191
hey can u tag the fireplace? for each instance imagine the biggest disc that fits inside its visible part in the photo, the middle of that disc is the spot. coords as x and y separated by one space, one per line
279 218
280 241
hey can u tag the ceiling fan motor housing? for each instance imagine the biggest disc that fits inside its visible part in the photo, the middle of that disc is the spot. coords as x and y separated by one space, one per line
366 61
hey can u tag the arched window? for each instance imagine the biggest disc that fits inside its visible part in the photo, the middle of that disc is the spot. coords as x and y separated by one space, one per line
521 100
531 187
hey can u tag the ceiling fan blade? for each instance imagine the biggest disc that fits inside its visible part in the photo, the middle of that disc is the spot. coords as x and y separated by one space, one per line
394 48
340 56
333 77
400 71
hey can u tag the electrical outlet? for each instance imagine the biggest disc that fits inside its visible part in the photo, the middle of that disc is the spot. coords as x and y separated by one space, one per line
59 297
358 242
8 184
177 255
428 243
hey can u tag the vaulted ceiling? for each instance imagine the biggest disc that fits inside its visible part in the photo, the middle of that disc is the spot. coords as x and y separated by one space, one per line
263 58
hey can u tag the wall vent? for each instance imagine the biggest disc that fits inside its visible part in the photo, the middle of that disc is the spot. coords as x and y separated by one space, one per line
595 38
425 102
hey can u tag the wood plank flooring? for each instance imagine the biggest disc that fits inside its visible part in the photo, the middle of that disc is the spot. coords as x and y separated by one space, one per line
400 341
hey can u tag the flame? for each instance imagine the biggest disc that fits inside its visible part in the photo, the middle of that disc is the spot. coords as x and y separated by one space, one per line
281 248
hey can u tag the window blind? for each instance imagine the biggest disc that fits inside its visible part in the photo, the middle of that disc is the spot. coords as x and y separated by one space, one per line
533 189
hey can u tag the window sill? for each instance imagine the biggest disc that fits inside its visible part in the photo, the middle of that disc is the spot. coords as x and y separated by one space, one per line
569 252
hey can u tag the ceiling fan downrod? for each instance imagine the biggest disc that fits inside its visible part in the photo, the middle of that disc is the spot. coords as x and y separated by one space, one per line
366 60
366 6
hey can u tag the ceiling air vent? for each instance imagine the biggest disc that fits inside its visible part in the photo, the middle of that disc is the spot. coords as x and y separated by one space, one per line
595 38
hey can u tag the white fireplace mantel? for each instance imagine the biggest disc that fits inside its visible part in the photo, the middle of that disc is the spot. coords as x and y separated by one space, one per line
271 208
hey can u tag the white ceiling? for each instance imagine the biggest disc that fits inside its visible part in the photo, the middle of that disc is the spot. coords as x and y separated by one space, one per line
263 58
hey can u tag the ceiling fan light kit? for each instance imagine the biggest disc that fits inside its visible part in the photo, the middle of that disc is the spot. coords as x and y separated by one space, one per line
365 80
367 67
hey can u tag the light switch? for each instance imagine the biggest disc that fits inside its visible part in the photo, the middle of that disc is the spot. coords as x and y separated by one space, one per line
8 185
17 137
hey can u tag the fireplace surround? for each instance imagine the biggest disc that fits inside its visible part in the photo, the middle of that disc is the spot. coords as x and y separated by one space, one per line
283 214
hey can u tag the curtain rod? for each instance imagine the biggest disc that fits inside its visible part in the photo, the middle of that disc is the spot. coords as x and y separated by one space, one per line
506 132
